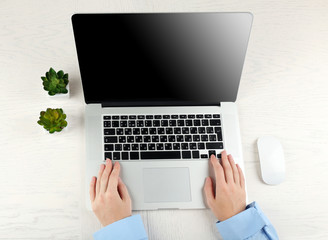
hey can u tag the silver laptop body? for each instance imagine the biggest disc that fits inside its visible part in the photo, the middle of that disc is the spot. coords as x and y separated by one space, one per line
118 108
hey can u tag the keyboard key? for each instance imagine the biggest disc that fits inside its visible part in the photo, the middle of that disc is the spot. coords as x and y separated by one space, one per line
208 115
124 117
108 155
126 147
204 122
169 130
159 146
156 123
184 146
201 130
168 146
171 138
160 130
119 131
177 130
212 137
149 117
141 116
144 131
132 123
179 138
107 117
109 147
138 139
211 152
143 146
203 156
158 116
163 138
130 139
166 116
134 155
180 123
199 116
132 117
151 146
204 138
183 116
195 154
191 116
186 154
116 117
172 123
209 130
127 131
164 123
215 122
148 123
214 145
188 138
197 123
122 139
136 131
110 131
115 123
188 122
123 123
155 138
140 123
125 155
146 139
110 139
201 145
152 131
116 156
176 146
193 130
195 138
135 147
185 130
106 123
192 146
216 115
118 147
174 116
160 155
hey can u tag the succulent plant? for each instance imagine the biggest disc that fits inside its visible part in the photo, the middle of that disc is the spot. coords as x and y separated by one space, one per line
53 120
55 82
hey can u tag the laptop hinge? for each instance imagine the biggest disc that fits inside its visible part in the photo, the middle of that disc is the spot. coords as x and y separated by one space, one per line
155 104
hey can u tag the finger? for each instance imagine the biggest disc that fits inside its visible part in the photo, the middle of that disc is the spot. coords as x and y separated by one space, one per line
113 178
234 169
227 168
218 171
123 191
208 189
241 177
105 176
102 167
92 189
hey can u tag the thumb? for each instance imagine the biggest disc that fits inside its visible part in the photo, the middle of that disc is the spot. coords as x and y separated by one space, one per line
208 189
123 191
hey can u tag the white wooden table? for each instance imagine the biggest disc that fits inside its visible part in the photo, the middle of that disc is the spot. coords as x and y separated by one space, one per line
283 92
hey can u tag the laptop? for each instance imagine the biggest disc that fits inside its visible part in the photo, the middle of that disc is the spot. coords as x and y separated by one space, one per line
160 92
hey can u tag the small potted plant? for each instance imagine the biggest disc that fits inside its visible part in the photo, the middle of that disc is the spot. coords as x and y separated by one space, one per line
53 120
56 83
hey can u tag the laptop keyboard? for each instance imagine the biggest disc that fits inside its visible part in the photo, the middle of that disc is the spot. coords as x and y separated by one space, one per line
151 137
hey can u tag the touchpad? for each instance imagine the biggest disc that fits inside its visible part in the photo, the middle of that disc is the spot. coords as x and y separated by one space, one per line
166 185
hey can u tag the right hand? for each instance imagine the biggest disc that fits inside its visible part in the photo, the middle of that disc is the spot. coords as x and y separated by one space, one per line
229 197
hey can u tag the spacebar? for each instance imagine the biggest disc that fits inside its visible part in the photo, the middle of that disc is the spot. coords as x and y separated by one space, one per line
160 155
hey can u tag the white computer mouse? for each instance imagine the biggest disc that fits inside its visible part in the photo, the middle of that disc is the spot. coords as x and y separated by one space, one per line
272 160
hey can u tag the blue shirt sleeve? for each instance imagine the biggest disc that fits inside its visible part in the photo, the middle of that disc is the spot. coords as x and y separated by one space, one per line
249 224
130 228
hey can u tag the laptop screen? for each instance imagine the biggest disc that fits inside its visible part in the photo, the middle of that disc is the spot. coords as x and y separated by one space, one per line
161 58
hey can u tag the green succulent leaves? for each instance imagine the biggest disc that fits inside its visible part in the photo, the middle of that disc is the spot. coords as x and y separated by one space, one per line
55 82
53 120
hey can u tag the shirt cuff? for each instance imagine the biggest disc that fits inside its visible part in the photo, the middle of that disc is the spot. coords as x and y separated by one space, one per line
244 224
126 228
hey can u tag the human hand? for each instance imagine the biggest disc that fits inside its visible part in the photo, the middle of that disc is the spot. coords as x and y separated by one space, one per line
229 197
109 196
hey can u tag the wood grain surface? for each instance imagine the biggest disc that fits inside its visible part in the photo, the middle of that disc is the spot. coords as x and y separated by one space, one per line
283 92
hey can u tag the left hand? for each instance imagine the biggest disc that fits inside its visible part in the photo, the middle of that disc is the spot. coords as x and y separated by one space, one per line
109 196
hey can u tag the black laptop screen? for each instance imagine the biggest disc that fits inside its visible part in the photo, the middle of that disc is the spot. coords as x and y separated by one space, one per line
161 58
